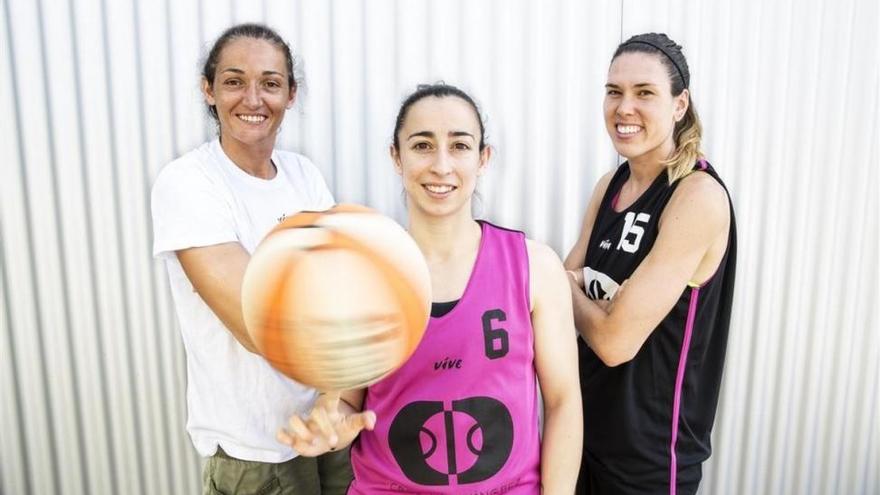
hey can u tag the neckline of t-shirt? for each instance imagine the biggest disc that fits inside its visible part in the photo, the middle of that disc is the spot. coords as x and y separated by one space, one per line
280 180
467 288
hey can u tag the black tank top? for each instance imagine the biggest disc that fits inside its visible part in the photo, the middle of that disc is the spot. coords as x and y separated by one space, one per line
647 422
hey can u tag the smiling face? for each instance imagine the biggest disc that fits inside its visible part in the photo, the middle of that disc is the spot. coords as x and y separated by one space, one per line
439 157
250 92
640 111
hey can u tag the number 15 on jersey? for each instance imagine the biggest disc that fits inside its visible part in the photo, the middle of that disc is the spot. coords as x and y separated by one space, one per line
633 230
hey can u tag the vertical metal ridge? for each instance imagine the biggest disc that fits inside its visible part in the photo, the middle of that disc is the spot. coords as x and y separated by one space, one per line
120 245
871 433
865 483
840 432
799 423
396 23
781 398
299 67
16 386
555 181
494 202
145 177
62 254
461 54
29 235
365 120
172 103
526 223
429 35
334 157
10 338
204 47
736 381
89 237
168 358
832 186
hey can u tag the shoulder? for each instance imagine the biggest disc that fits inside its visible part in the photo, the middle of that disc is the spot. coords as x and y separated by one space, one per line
193 177
702 190
601 189
189 169
542 259
605 180
602 184
298 165
546 275
595 203
699 198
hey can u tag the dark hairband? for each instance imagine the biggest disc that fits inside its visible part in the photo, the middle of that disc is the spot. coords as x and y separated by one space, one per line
664 52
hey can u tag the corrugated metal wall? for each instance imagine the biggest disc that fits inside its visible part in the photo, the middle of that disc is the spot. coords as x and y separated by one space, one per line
99 94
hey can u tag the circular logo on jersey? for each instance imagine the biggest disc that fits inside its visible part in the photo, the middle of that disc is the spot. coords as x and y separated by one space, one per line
596 290
598 285
471 440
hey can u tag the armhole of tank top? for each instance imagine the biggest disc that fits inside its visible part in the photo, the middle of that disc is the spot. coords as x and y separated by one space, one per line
613 191
703 165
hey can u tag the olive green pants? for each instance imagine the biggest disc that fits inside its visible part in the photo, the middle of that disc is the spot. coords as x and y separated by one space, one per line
329 474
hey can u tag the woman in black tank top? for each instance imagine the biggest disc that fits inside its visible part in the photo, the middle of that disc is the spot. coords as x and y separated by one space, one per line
652 282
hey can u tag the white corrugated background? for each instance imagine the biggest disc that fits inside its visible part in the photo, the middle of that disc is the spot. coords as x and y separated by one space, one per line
99 94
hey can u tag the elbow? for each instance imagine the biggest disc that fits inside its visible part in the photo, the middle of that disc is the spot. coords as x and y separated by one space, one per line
613 341
556 403
615 347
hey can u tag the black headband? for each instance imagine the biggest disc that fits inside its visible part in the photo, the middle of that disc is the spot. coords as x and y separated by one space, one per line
664 52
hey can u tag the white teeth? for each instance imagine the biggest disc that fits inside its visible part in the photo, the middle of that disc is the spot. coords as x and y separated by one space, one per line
254 119
628 129
438 189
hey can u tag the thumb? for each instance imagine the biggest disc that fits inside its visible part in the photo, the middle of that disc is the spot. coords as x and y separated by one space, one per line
361 421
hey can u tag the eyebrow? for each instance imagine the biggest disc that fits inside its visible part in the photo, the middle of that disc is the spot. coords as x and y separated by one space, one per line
639 85
265 72
429 134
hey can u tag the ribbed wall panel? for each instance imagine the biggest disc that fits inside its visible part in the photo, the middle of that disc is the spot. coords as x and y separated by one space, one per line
100 94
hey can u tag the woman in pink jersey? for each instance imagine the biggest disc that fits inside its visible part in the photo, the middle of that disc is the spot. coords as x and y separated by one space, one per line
462 414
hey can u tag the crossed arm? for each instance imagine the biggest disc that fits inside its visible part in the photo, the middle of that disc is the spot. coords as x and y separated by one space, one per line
690 244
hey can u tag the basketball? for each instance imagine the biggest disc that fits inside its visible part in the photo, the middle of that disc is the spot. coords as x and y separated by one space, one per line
337 300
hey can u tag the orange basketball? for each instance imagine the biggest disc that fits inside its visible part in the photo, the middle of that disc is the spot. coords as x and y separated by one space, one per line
338 299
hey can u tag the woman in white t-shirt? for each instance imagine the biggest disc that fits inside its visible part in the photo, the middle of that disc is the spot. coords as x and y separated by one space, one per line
211 207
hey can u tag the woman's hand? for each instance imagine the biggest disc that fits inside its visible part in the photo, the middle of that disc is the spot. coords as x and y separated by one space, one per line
331 425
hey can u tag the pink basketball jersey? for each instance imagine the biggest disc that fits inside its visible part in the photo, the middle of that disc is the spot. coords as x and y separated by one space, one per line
460 416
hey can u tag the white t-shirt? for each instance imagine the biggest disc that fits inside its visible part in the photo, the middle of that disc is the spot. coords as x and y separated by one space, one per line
234 398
